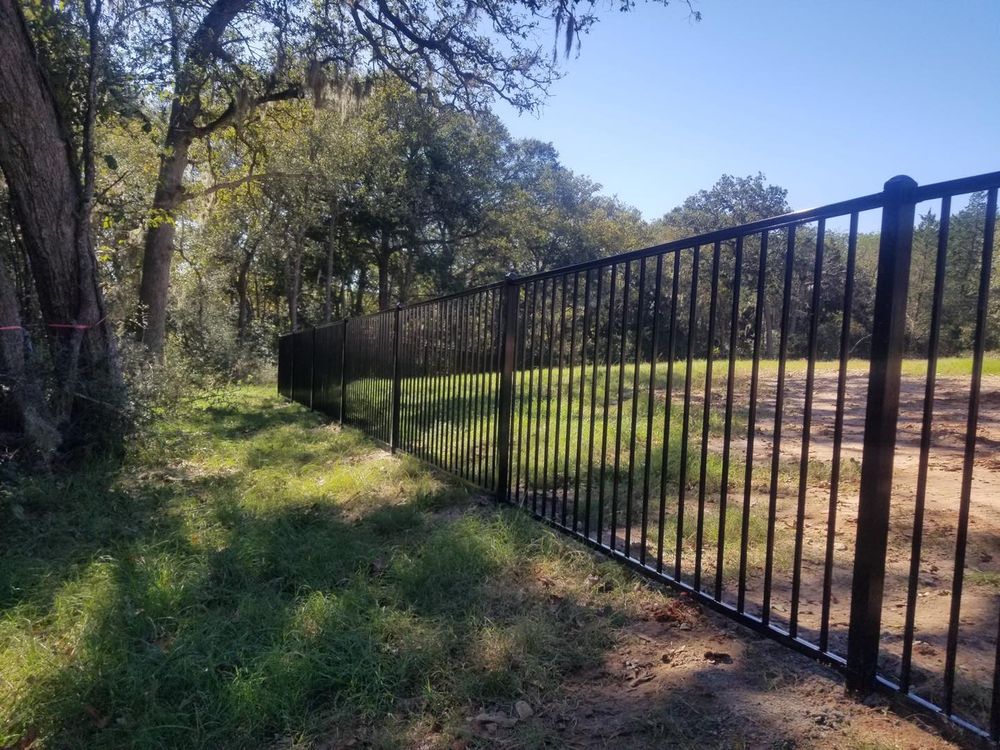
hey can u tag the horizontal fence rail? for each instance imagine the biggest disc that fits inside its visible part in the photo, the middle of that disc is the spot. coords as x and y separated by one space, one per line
757 416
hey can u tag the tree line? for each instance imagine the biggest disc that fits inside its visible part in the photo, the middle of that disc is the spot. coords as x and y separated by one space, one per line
183 181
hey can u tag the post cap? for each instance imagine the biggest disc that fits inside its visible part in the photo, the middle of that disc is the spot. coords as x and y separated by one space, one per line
901 183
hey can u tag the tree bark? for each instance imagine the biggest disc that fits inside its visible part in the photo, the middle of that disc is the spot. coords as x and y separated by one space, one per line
245 314
20 380
382 261
53 213
293 273
159 244
331 249
359 299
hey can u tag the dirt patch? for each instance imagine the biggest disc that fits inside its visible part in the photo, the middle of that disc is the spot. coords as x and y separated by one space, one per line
680 677
824 511
942 491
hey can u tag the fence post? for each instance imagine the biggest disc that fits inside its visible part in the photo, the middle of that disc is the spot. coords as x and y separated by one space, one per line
312 368
343 371
396 380
885 363
508 329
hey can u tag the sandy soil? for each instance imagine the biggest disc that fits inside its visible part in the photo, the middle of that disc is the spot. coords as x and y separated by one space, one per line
980 600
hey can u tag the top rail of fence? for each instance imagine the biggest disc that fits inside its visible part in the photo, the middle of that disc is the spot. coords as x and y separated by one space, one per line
961 186
843 208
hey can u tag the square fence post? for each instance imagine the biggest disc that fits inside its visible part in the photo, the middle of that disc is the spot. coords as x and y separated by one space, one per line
508 343
343 371
885 364
312 368
396 380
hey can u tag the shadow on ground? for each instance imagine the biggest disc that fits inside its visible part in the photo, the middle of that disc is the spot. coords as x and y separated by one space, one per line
254 578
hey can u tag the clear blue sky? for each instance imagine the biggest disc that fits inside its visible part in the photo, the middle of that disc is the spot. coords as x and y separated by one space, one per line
829 98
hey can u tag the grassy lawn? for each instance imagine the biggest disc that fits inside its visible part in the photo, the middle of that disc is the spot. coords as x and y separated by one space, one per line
254 578
251 577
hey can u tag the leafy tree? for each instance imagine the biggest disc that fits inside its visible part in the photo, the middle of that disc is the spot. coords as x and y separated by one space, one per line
224 61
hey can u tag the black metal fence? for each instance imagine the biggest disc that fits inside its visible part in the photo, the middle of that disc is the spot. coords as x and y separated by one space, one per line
726 413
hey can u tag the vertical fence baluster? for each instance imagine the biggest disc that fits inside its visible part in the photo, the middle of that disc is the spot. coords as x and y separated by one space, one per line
800 516
397 390
686 418
508 346
925 443
779 414
622 337
651 405
548 404
751 424
569 403
972 426
607 404
667 398
637 361
838 432
593 405
706 416
559 390
728 419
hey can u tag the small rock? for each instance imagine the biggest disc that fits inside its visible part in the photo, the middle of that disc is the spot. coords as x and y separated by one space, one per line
718 657
640 680
523 710
499 719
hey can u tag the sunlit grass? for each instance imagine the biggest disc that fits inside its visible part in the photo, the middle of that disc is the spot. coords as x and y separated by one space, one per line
253 577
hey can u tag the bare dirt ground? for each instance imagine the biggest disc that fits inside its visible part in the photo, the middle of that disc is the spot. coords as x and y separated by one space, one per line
680 677
980 600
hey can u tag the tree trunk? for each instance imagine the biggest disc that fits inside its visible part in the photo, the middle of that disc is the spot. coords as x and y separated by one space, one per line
382 261
185 110
52 212
159 246
359 299
19 379
293 273
245 313
331 248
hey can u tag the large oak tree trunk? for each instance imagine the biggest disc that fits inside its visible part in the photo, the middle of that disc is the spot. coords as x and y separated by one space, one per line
182 129
20 380
38 162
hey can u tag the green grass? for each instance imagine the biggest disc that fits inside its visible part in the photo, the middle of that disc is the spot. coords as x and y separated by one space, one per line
553 436
253 578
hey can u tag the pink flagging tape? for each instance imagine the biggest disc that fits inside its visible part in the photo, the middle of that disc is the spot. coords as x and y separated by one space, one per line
71 326
77 326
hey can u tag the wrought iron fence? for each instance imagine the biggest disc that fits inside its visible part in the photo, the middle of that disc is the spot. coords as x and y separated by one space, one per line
725 413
